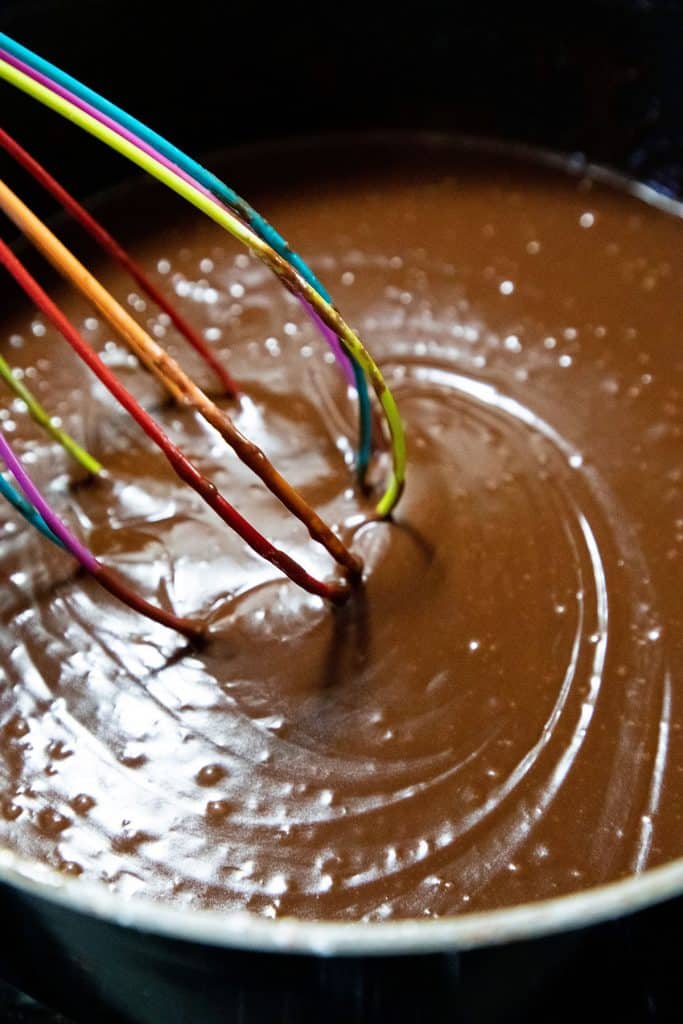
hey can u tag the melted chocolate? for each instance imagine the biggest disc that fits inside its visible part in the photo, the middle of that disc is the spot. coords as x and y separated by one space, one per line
496 715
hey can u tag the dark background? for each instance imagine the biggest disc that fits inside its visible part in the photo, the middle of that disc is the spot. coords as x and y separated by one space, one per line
602 78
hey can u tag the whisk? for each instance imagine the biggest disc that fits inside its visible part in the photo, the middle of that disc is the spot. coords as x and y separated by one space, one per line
68 97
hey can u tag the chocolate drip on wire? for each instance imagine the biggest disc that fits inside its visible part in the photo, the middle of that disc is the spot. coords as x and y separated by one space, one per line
118 253
173 378
336 592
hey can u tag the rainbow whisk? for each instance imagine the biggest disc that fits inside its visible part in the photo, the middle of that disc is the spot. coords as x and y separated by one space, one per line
129 137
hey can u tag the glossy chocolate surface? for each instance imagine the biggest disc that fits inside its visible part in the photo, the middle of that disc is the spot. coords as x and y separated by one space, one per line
496 716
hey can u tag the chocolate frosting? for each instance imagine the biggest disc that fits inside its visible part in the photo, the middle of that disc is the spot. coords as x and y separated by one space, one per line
495 717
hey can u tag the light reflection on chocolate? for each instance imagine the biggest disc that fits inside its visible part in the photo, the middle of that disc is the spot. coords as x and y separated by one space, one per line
497 716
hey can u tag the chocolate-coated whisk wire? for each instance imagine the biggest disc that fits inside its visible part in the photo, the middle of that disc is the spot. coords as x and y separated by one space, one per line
195 193
169 373
109 244
160 149
183 467
200 187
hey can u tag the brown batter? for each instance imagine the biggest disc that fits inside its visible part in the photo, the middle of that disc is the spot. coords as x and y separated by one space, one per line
496 717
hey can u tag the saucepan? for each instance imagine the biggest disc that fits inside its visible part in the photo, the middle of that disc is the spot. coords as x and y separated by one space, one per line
600 80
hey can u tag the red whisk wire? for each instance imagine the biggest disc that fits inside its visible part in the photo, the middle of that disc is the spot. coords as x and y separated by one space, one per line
335 591
118 253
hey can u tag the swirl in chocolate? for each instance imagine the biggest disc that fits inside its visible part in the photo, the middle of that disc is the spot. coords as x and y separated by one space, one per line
496 716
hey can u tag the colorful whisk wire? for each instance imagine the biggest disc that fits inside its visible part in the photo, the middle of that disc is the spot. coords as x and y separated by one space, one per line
109 245
200 197
183 467
162 160
159 148
44 420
